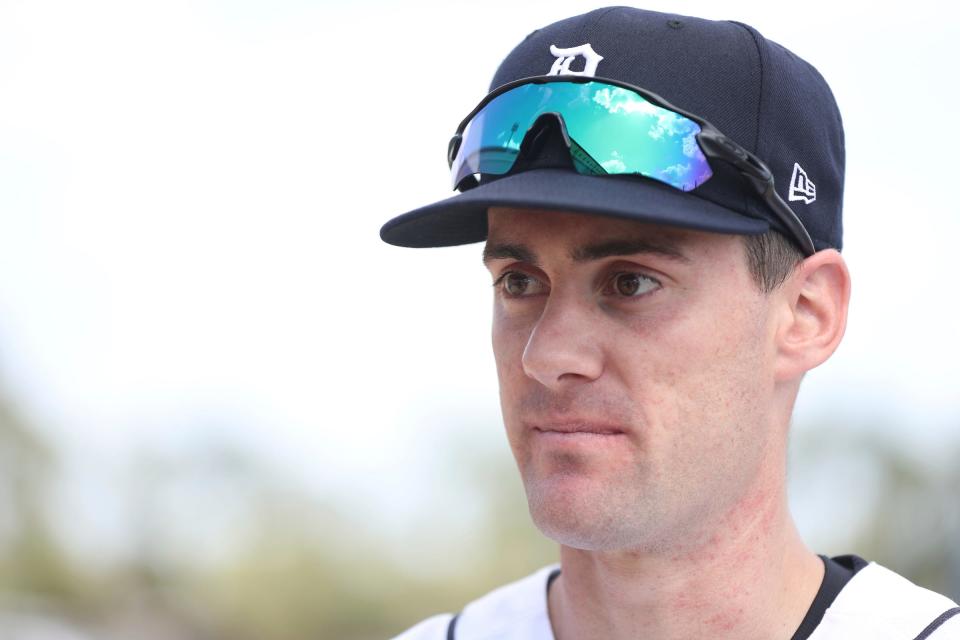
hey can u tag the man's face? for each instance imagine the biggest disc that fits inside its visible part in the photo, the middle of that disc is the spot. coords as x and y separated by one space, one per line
636 376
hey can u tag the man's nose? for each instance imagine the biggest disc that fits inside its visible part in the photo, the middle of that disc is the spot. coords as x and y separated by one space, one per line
564 347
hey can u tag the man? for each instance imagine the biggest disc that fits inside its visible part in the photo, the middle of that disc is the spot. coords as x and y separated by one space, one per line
660 198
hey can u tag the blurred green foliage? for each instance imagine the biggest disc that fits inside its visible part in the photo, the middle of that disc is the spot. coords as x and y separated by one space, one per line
30 560
296 567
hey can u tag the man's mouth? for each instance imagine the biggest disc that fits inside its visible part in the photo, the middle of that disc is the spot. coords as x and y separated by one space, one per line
577 428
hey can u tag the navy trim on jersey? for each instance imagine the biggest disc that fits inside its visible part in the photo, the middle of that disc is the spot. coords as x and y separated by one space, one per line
452 627
933 626
553 576
837 573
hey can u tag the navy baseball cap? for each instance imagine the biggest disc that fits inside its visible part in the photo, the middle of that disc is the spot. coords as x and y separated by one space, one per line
755 91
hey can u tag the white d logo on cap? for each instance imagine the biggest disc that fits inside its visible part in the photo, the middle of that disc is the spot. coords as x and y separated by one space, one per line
561 66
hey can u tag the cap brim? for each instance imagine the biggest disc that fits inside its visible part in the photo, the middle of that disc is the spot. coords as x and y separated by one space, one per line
462 219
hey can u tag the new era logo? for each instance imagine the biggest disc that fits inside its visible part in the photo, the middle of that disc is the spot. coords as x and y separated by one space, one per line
801 187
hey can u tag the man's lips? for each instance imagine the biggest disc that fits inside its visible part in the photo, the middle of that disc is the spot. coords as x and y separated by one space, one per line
576 428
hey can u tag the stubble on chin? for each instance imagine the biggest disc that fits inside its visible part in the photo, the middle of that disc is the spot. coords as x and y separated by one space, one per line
592 515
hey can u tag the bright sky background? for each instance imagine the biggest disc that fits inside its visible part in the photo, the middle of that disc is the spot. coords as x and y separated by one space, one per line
190 195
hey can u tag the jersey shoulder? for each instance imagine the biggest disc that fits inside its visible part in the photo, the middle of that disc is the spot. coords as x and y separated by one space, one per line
511 612
879 604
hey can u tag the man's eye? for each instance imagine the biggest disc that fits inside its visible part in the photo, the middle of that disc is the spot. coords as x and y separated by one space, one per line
516 285
631 285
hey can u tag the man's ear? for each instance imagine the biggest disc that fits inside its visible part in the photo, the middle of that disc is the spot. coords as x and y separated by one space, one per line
814 313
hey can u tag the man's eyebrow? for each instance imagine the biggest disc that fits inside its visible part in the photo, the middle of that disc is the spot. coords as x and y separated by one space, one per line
628 248
506 250
586 253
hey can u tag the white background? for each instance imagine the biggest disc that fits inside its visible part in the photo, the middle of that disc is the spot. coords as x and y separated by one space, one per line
190 198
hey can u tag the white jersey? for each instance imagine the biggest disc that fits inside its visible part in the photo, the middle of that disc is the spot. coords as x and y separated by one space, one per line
876 604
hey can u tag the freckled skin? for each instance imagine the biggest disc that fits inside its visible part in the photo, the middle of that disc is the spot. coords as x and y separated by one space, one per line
686 370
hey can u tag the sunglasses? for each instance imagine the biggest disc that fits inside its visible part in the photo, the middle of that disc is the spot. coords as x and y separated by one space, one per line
611 128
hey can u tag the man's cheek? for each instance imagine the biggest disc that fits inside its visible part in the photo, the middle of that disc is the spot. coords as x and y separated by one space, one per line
508 347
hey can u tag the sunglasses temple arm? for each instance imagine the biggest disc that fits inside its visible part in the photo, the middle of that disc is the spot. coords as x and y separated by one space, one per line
721 147
786 215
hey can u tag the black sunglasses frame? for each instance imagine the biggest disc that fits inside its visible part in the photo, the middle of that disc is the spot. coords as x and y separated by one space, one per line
714 144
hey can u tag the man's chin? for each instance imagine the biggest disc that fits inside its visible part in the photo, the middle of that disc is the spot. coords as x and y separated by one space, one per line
578 535
570 511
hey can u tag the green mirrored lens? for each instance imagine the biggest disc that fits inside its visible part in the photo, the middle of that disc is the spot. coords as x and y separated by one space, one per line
619 130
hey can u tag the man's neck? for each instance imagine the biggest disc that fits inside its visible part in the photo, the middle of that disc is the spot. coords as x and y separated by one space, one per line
754 580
